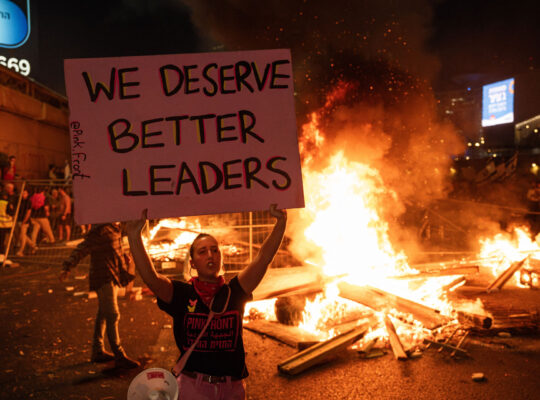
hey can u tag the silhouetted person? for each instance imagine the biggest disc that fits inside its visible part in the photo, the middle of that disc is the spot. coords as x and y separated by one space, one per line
107 261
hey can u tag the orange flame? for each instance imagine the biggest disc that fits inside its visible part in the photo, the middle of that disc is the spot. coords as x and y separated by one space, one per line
169 250
347 236
499 252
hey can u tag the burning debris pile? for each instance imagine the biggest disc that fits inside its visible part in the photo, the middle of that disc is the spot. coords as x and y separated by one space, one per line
365 293
332 315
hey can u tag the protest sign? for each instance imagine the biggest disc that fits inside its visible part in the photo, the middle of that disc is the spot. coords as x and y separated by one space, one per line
183 134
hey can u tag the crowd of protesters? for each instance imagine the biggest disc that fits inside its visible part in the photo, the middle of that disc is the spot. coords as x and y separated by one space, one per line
44 216
41 214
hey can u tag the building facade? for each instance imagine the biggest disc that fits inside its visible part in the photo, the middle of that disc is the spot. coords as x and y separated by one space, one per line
33 125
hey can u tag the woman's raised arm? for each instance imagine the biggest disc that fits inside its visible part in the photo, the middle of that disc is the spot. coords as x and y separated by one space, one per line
251 276
159 284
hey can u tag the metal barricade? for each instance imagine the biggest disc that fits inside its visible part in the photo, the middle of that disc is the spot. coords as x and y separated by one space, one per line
43 245
240 234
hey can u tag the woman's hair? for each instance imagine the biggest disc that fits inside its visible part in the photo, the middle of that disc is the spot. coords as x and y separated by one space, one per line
199 236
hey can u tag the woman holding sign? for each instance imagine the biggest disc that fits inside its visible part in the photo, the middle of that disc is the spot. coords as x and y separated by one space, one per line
207 312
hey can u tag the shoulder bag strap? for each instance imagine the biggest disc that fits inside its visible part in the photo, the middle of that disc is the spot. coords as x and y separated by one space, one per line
177 369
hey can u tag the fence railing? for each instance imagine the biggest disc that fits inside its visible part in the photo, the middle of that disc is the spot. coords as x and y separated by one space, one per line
167 240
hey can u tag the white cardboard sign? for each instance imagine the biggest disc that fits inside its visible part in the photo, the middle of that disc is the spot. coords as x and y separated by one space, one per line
183 134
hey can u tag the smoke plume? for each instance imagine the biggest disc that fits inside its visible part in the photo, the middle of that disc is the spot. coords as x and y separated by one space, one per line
373 52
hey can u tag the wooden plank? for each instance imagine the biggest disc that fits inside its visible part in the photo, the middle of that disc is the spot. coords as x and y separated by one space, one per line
450 287
304 282
321 352
380 300
524 320
393 338
474 320
281 281
499 282
348 318
462 270
290 335
302 289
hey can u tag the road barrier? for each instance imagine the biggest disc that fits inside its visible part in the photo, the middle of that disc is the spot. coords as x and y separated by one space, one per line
167 240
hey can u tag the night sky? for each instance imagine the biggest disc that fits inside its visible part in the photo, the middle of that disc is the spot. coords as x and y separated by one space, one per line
390 55
450 44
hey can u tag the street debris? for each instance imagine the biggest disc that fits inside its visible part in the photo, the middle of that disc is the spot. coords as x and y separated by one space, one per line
372 330
379 300
393 338
370 351
499 282
478 377
321 352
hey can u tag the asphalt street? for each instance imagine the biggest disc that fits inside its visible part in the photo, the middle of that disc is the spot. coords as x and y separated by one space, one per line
47 331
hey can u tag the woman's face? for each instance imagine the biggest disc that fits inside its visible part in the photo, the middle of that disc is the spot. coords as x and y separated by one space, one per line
206 258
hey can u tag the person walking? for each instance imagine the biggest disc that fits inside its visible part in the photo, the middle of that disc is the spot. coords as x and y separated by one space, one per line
52 173
40 217
6 215
64 219
67 171
54 201
212 363
109 269
23 222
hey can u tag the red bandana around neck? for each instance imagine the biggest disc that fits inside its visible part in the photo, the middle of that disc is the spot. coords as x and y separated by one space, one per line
207 290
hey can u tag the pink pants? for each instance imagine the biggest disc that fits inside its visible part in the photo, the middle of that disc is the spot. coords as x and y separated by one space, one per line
196 389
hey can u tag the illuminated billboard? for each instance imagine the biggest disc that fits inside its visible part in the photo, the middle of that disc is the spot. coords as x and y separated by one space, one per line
15 26
18 39
498 103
